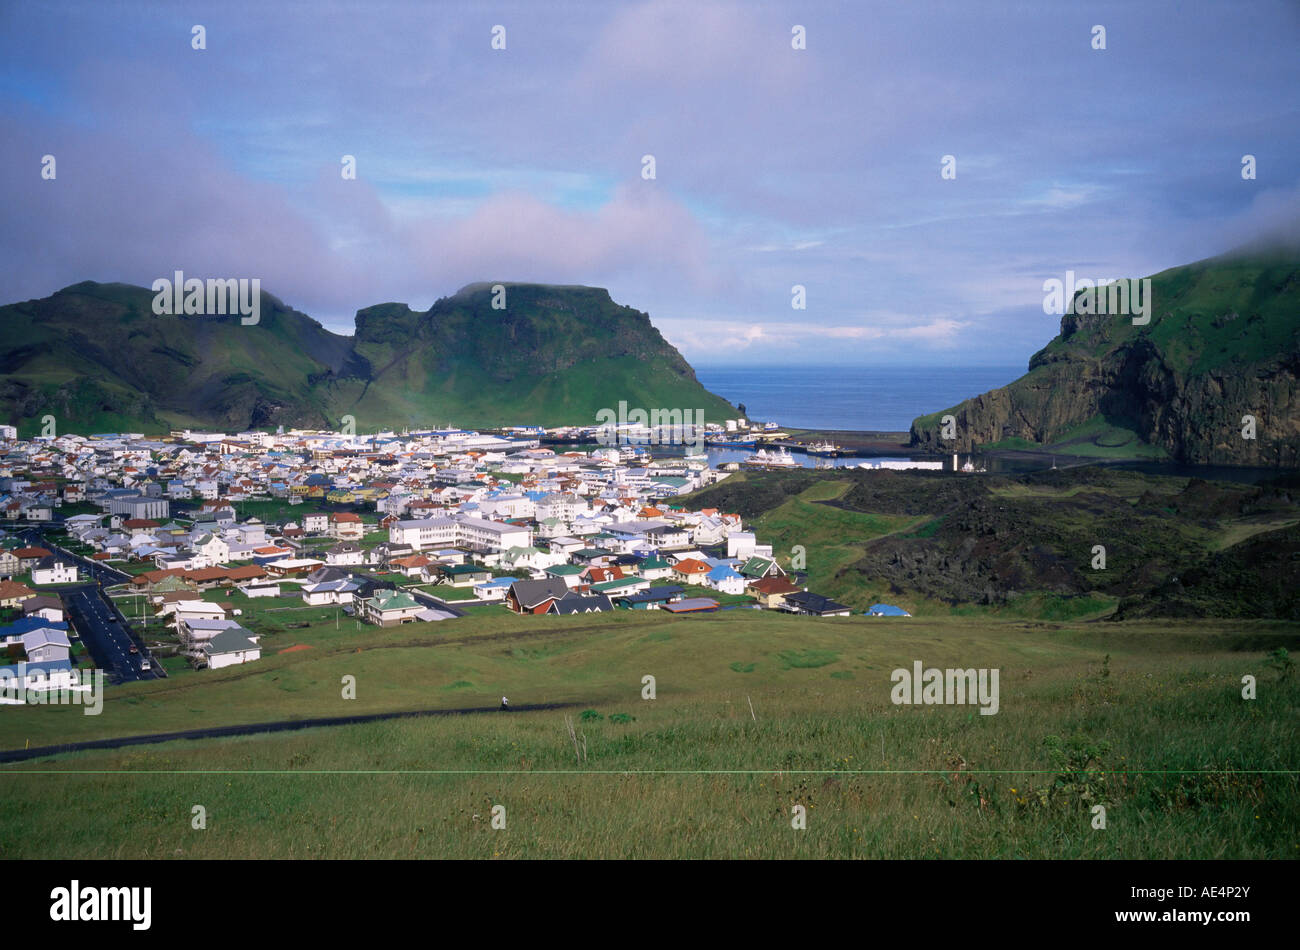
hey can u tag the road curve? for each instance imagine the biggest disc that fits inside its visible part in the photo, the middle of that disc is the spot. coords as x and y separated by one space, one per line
284 725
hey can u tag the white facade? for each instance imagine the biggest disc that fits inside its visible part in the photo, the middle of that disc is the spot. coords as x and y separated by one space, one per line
741 544
218 660
60 572
459 531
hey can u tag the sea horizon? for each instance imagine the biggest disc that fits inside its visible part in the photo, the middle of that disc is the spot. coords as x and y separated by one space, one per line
849 397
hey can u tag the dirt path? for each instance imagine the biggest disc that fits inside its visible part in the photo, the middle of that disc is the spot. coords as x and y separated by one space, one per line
284 725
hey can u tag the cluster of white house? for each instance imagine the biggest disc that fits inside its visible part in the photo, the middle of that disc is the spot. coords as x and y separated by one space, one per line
388 522
40 635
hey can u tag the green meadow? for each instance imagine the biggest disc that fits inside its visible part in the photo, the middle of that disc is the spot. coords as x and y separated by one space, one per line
754 714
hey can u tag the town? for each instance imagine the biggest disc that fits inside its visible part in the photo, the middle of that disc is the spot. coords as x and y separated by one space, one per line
147 557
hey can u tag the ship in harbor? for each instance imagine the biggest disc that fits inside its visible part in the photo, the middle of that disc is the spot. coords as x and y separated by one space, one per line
729 442
826 450
774 458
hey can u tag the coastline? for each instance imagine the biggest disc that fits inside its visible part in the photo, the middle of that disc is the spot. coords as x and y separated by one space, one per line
856 442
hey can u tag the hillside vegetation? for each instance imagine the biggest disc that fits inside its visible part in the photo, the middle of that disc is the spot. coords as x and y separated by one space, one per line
1025 545
754 714
96 358
1223 342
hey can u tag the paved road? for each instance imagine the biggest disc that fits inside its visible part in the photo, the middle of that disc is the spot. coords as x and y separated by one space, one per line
97 620
94 570
105 636
216 732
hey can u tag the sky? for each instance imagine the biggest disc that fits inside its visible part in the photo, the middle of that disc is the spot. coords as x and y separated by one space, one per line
774 166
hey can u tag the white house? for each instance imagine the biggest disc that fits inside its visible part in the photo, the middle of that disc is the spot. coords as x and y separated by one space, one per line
261 589
231 647
531 558
209 551
725 580
561 505
329 592
346 526
494 589
388 608
46 643
194 633
741 544
346 552
48 676
189 613
49 570
47 608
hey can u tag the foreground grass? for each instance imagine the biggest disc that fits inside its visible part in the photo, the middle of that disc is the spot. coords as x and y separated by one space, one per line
753 715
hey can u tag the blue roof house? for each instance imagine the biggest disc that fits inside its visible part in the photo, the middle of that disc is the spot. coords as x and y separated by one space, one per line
886 610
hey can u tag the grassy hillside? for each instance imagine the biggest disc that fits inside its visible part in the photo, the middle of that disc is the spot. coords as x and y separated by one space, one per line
1023 546
1223 342
96 358
754 713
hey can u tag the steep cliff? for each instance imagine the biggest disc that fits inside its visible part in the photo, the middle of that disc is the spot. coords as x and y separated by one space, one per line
1223 343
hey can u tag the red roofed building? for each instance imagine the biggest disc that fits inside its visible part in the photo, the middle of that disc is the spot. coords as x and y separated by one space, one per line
691 571
598 575
28 557
770 591
12 593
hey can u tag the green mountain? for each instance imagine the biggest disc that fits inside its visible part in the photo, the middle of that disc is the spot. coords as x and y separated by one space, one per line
1223 342
96 358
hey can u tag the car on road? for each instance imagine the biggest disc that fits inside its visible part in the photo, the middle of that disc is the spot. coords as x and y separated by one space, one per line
134 648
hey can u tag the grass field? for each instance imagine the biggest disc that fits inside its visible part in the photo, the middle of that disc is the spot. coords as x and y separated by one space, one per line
830 538
754 713
1093 438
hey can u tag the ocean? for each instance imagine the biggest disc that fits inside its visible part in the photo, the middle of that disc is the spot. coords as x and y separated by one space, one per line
862 398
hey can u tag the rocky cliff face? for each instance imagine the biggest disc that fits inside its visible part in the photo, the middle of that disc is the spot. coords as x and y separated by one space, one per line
1223 343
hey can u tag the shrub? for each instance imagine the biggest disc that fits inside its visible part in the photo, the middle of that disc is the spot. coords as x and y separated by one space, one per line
806 659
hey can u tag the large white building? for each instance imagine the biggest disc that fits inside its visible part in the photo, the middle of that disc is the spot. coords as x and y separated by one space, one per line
562 505
51 570
140 506
461 531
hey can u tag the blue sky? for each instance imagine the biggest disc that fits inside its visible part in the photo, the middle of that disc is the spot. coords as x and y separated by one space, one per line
774 166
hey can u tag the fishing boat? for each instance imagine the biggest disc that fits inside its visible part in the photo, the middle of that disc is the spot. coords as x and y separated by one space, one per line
722 442
826 450
778 458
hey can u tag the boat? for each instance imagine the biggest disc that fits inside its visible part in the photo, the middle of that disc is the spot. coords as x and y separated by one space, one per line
779 458
826 450
732 443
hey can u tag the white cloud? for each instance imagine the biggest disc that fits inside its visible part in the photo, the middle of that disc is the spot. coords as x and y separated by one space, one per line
701 338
